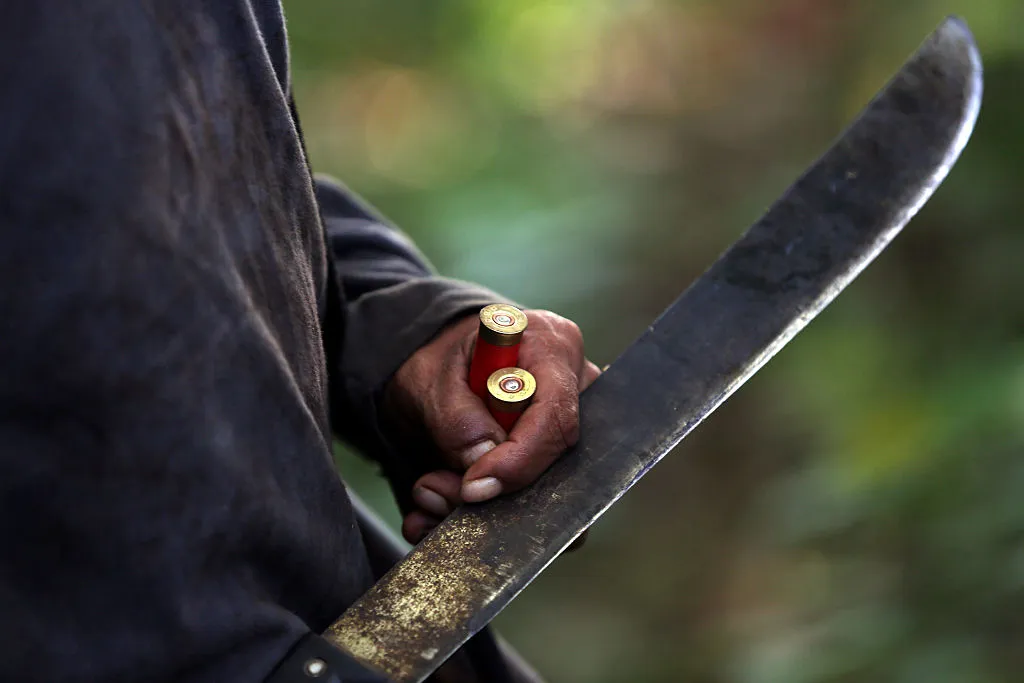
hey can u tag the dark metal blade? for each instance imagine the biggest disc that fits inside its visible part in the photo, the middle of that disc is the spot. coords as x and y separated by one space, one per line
760 293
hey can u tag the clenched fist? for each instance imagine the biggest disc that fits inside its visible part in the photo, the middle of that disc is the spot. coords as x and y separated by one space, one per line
430 393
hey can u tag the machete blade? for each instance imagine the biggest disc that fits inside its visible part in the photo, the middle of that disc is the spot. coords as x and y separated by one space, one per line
823 231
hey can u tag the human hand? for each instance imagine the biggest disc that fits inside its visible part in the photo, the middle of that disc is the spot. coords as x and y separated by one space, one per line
430 393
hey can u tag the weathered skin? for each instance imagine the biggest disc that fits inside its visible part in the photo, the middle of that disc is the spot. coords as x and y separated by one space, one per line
769 285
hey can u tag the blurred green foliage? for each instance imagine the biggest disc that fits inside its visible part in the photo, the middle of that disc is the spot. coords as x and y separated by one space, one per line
856 513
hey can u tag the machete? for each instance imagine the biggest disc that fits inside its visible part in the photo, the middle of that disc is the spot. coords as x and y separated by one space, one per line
810 245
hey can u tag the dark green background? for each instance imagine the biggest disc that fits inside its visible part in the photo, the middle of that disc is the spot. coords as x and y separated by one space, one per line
856 512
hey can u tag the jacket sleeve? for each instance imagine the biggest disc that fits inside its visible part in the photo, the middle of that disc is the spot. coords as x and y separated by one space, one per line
389 303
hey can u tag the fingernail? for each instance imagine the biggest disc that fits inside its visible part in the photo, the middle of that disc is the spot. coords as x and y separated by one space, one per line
479 490
471 455
431 501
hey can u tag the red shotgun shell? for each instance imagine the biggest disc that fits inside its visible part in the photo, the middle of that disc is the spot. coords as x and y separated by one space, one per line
497 344
509 393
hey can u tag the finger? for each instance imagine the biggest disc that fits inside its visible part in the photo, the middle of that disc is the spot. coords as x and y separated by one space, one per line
589 374
437 493
544 431
458 420
484 489
417 525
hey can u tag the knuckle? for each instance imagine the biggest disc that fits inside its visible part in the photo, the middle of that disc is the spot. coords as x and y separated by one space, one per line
565 425
572 330
464 434
570 334
560 324
455 430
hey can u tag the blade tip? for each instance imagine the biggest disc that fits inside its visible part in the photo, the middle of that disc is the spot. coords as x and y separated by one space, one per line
954 29
958 25
954 37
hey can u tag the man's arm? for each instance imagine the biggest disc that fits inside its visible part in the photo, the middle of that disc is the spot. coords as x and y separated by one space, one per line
400 377
394 303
